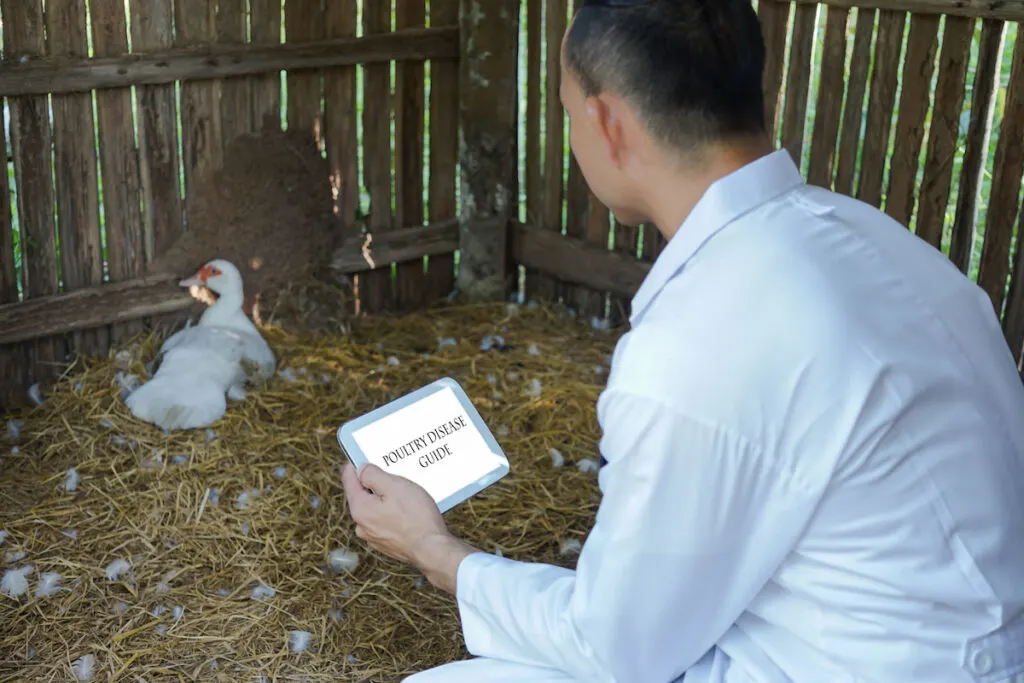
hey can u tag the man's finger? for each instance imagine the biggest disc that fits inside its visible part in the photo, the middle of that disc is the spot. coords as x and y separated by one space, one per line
377 479
354 491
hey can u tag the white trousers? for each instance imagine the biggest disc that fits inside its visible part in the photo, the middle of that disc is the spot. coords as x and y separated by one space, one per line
482 670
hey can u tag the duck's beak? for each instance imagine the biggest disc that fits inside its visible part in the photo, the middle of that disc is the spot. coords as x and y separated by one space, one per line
197 280
193 281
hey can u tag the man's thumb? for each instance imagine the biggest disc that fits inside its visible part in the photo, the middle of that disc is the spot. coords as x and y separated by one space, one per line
376 479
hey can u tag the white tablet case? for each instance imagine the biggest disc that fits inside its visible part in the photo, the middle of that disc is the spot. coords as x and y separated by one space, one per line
459 464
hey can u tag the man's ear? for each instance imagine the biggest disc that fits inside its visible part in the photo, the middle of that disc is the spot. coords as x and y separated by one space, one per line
602 114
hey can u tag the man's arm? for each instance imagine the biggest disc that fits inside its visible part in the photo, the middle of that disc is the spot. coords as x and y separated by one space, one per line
439 558
694 521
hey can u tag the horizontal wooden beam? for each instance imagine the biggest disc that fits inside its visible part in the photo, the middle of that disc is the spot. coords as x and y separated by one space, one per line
42 75
574 261
1007 10
568 259
88 308
373 251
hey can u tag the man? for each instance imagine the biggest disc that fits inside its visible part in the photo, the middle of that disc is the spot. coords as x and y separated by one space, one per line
814 428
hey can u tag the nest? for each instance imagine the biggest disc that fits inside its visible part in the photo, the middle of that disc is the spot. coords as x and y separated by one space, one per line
269 210
228 531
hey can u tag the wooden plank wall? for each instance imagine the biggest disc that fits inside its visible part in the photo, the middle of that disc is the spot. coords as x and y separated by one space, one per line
77 218
553 193
915 107
925 123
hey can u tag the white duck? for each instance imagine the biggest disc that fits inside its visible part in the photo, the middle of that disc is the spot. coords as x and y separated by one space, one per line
202 363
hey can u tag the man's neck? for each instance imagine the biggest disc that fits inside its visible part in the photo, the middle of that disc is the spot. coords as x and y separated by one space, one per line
673 194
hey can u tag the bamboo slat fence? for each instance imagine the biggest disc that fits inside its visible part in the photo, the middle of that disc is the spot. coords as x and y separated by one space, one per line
115 107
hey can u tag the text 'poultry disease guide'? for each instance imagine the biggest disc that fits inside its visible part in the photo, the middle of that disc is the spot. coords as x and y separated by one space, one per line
433 436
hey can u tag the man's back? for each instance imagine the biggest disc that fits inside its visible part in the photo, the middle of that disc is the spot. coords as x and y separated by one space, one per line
863 364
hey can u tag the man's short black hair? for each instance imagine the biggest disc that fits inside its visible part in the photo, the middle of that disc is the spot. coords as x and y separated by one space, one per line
691 68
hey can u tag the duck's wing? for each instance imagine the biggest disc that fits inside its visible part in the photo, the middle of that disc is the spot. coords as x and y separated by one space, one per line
258 361
223 342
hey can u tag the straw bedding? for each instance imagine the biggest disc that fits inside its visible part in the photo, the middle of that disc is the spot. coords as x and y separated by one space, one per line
195 604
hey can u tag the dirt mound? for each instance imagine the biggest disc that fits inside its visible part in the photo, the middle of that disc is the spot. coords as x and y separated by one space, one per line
269 210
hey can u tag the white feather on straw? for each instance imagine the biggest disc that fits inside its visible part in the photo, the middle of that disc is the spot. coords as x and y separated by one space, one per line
557 459
299 640
117 569
262 591
15 581
49 584
570 546
84 667
71 480
342 559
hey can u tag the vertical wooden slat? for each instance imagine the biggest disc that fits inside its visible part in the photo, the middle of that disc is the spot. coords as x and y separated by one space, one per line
979 130
444 148
1013 317
945 128
774 17
488 112
78 216
195 23
534 163
12 358
831 87
554 159
915 99
593 226
376 286
884 80
8 272
542 286
849 140
598 226
799 80
409 163
126 253
578 203
340 117
152 30
31 145
303 22
266 88
235 115
626 241
1006 179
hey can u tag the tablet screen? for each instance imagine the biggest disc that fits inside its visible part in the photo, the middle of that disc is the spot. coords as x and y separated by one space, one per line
432 442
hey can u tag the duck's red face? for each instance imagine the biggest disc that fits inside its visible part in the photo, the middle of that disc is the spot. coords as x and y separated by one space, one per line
203 276
208 271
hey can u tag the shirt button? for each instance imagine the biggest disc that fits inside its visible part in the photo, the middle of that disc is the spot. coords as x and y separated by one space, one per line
981 662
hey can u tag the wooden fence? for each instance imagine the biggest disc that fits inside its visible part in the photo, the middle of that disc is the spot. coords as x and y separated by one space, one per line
922 117
116 107
914 106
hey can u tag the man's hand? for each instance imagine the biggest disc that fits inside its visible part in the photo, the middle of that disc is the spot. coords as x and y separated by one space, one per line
401 520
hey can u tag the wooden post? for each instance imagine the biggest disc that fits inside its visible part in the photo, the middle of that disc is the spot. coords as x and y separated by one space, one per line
489 37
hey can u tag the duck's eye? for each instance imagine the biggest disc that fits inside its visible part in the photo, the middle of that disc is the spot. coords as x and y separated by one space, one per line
216 271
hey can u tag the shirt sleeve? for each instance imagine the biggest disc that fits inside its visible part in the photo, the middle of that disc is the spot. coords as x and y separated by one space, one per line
694 521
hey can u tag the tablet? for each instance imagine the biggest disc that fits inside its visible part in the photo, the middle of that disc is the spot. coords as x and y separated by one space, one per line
433 436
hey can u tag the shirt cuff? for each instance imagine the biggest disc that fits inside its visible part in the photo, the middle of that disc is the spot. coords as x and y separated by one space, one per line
470 583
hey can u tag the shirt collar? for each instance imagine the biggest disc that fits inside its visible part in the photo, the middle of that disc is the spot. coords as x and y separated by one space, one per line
725 200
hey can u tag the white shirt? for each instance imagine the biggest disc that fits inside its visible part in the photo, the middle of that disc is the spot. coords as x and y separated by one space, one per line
814 432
